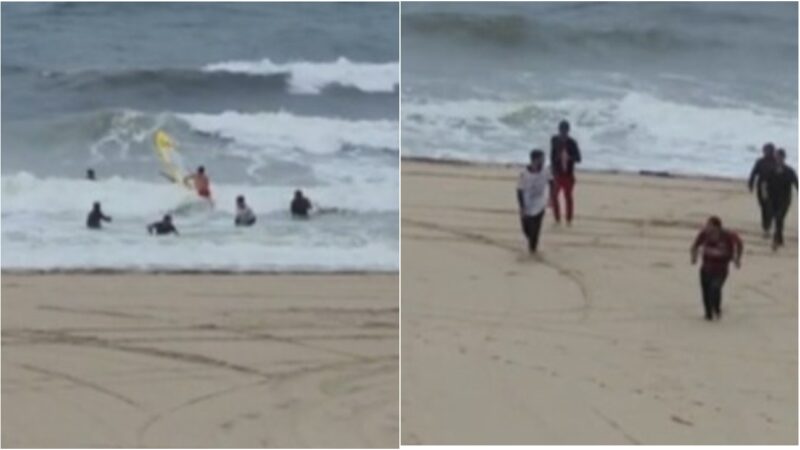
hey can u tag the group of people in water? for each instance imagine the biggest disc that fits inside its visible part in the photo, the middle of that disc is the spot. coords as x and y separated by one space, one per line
299 207
539 186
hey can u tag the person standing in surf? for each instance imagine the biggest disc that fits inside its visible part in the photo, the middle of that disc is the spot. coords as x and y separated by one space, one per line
758 179
532 190
564 154
201 182
779 190
720 247
96 217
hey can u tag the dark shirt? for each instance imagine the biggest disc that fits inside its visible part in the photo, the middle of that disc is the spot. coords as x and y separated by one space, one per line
564 153
760 173
94 219
162 227
728 245
779 185
300 207
244 217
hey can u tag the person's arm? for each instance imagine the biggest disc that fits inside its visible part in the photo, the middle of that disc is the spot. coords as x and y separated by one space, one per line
753 174
698 241
738 250
150 228
553 150
174 230
105 217
577 156
794 177
520 194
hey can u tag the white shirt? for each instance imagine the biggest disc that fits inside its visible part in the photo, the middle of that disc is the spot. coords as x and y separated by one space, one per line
534 187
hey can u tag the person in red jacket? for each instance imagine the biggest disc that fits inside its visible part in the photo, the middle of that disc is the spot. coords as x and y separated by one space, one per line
719 247
564 154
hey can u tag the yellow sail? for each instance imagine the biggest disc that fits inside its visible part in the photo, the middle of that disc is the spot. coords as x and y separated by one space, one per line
166 152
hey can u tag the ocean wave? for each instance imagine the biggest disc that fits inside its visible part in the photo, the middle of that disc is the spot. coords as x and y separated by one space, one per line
632 131
513 30
312 77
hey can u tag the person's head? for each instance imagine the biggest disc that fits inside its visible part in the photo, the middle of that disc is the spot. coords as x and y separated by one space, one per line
768 149
201 170
537 158
714 227
563 128
240 200
780 156
90 174
96 206
298 194
167 218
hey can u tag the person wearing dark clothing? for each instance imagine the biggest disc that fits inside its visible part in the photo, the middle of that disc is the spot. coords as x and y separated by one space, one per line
90 174
300 205
532 197
720 247
164 226
96 217
758 179
564 154
779 190
244 215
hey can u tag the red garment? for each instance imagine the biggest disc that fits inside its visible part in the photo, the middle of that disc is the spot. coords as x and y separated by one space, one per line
565 182
718 254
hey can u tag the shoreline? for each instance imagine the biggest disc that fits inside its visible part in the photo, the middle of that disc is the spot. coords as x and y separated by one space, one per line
211 272
455 162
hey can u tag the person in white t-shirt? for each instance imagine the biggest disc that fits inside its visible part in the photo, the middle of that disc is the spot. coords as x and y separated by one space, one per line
532 196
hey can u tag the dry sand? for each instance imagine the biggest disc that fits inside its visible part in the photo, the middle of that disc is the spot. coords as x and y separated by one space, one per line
199 361
601 340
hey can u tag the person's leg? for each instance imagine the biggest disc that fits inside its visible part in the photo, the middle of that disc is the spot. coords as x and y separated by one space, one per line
780 215
705 286
766 215
534 229
523 220
569 184
554 199
716 293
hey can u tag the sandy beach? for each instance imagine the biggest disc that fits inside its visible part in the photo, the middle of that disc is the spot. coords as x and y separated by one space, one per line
602 339
137 360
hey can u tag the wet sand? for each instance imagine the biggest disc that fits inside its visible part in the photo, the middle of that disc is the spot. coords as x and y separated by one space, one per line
134 360
600 340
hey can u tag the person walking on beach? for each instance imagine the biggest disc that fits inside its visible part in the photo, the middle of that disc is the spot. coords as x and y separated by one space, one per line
779 190
164 226
532 197
564 154
96 217
720 247
758 179
201 182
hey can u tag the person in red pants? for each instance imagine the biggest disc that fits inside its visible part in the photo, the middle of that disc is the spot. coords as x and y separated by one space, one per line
564 154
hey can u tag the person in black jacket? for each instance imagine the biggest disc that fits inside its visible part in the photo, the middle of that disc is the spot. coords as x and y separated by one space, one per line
779 189
758 179
96 217
564 154
164 226
300 205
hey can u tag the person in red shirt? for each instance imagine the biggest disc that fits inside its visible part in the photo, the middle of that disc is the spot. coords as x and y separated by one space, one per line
201 182
719 247
564 154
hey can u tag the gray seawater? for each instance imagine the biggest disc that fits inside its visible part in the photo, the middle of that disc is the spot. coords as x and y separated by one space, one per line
268 96
691 87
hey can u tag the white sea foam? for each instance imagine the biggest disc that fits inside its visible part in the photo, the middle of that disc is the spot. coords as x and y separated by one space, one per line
630 132
311 77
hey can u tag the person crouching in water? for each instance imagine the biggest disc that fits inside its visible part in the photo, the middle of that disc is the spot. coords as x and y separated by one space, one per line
95 217
201 182
532 197
164 226
300 205
244 215
720 247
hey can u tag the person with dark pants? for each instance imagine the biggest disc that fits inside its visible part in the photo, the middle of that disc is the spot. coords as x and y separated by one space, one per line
720 247
300 205
564 154
758 179
532 197
779 190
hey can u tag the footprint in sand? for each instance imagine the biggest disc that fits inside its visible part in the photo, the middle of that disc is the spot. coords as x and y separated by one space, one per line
662 265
